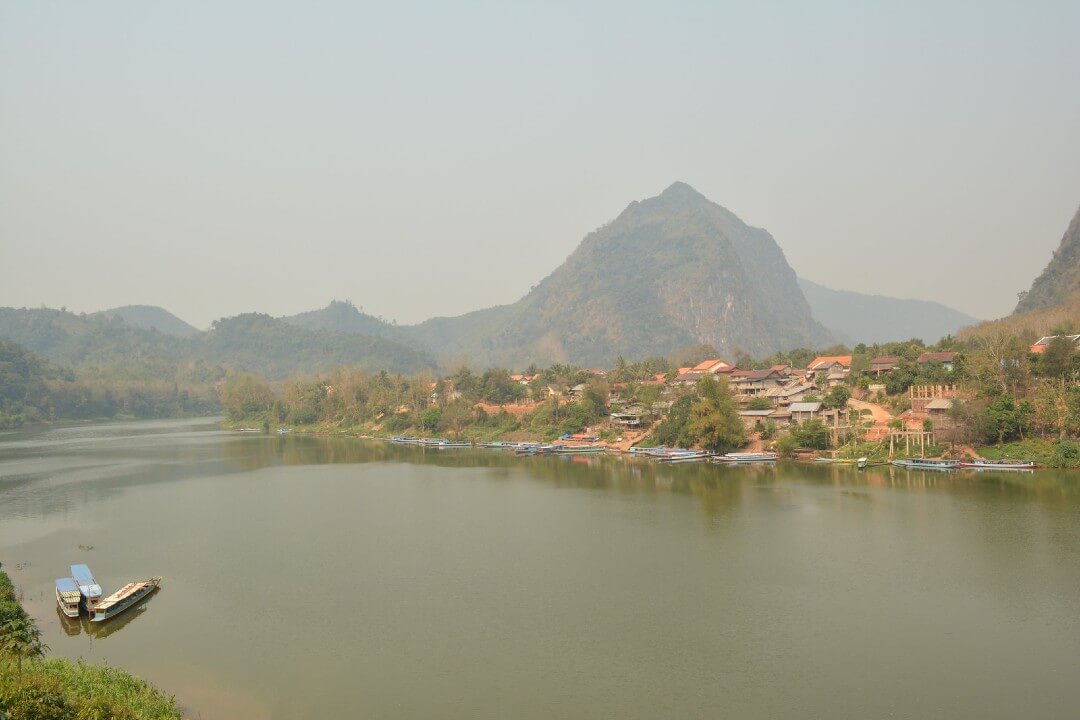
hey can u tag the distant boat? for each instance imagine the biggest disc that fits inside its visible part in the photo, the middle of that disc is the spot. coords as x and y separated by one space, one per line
444 443
68 597
927 464
123 599
249 430
88 587
999 465
580 449
405 440
685 457
283 431
748 457
861 463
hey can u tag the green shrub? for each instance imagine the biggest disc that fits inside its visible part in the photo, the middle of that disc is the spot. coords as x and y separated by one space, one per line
1066 455
33 697
9 610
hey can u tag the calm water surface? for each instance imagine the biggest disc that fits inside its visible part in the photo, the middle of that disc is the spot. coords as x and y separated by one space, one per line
316 578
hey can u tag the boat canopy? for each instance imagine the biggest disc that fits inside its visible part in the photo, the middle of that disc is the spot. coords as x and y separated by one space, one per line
66 585
85 580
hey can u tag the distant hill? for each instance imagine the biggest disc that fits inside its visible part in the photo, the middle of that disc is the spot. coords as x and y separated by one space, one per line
340 316
152 317
276 348
258 343
669 272
874 318
1061 278
90 341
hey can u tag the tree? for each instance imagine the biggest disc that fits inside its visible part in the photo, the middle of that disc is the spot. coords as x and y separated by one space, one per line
21 637
243 396
430 418
714 419
837 397
759 403
812 434
1057 360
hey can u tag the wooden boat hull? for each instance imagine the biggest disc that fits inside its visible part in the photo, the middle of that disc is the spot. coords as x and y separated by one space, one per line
945 466
998 466
99 615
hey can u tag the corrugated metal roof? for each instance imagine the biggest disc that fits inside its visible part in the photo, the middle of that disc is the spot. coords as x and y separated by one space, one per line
804 407
939 404
66 585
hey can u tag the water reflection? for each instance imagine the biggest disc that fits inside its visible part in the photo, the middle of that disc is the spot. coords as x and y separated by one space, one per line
100 631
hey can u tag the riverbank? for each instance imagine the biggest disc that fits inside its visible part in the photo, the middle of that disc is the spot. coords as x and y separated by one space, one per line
34 686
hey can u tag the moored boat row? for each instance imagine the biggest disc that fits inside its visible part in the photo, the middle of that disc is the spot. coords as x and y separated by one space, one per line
80 593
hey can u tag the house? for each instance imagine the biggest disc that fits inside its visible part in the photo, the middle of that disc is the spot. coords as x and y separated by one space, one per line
576 392
803 411
945 358
784 395
713 367
751 418
783 368
687 376
922 395
883 364
755 382
626 419
832 417
824 362
1041 344
830 370
597 372
938 410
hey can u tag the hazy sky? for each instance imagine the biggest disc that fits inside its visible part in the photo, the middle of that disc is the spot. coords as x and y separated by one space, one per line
422 159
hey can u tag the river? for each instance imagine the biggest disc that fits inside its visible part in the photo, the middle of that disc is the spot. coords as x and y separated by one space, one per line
313 577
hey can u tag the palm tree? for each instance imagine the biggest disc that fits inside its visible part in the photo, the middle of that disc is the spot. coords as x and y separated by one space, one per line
22 638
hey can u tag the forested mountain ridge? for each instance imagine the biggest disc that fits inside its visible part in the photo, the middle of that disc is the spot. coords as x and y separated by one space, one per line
858 317
1060 278
340 316
152 317
254 342
276 348
670 271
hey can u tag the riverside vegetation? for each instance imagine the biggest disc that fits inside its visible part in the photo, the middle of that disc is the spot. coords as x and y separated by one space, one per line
36 687
1010 396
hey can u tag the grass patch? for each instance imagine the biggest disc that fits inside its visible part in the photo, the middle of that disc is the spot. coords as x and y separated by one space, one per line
1049 453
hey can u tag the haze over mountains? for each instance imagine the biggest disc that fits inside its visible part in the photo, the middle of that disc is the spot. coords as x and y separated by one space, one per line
857 317
671 271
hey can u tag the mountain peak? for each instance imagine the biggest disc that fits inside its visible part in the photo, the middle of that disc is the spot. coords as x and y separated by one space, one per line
681 190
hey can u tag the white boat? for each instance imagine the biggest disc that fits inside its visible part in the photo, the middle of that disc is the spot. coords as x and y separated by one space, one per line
999 465
123 599
442 443
927 464
68 597
749 457
685 457
580 449
88 587
861 463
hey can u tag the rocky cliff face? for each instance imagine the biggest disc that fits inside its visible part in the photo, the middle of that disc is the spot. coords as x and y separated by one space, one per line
670 271
1061 278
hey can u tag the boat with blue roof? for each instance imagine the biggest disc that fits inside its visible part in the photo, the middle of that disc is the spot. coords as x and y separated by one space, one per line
89 589
68 597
